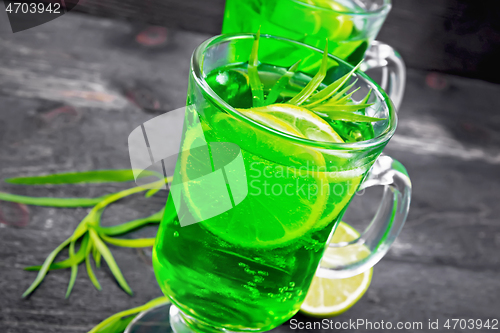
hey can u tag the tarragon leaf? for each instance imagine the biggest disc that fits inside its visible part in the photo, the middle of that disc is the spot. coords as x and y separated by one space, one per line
97 257
349 116
139 242
280 85
253 74
93 217
311 87
345 100
76 259
341 95
51 202
337 107
103 327
329 91
118 326
84 177
90 271
45 267
129 226
74 269
110 260
365 100
153 191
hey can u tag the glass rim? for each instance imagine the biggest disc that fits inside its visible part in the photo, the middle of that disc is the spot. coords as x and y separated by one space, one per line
197 71
384 9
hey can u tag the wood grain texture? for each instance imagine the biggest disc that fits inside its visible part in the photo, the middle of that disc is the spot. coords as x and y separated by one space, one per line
445 263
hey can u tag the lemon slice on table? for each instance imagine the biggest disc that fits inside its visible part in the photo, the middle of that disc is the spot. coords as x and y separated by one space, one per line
332 297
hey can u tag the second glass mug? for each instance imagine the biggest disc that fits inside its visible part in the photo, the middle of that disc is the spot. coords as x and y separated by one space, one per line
349 25
246 262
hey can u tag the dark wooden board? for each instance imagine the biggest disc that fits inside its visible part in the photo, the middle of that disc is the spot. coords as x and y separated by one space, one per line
444 265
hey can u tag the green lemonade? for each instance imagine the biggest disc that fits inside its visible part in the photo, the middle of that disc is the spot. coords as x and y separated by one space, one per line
249 268
308 21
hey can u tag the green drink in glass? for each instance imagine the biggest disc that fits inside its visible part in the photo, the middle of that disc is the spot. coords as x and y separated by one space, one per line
259 190
349 26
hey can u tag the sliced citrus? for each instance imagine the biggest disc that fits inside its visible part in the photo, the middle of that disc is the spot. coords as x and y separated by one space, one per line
194 163
338 26
284 202
304 121
275 214
281 209
331 297
343 185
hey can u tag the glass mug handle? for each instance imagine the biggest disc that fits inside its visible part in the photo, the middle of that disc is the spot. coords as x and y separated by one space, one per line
375 241
381 55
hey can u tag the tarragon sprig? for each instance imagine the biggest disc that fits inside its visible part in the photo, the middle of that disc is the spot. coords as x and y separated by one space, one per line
333 101
253 74
91 236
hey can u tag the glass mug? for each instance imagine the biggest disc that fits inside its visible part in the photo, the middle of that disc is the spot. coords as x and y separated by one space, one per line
350 26
238 258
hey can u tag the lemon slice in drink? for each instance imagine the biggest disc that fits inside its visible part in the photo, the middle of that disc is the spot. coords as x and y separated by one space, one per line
339 26
331 297
283 203
302 122
305 123
279 207
343 186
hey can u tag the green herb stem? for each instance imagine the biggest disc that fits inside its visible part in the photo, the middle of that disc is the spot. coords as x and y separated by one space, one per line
281 84
135 243
45 267
120 315
88 266
348 116
74 269
253 74
106 253
77 258
51 202
129 226
311 87
329 91
341 95
84 177
331 108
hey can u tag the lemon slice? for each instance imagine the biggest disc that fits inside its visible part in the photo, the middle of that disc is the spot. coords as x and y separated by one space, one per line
296 198
331 297
259 220
349 181
305 123
274 220
273 122
339 26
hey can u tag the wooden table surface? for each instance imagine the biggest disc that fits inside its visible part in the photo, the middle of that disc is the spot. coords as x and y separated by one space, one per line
72 90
